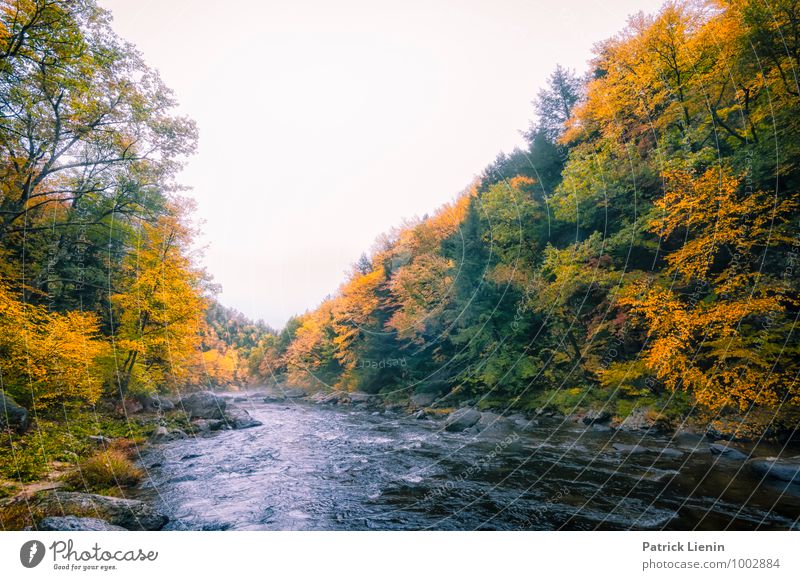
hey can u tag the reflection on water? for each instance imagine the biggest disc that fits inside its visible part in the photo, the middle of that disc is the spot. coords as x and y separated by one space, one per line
311 467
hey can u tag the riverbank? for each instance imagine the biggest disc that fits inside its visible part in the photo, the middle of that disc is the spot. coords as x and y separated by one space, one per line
77 471
420 449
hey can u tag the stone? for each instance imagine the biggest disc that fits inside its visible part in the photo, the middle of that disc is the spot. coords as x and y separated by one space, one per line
598 416
204 405
778 468
523 423
164 435
358 398
724 450
12 415
645 419
622 448
76 524
492 422
130 514
156 403
670 452
423 399
462 419
238 418
207 425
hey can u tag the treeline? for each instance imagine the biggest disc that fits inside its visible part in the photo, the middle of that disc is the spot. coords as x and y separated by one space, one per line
100 292
641 250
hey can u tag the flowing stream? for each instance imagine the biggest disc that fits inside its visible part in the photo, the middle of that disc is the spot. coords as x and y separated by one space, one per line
313 467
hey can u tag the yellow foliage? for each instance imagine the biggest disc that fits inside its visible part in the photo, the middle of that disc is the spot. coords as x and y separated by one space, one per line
48 357
704 336
160 310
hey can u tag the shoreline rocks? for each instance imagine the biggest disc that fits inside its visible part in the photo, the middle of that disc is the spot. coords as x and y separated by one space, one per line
784 469
203 405
76 524
723 449
462 419
238 418
12 415
130 514
164 435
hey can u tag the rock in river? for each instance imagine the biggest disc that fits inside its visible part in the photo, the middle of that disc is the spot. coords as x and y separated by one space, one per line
240 419
462 419
130 514
491 422
423 399
783 469
164 435
726 451
76 524
596 416
204 405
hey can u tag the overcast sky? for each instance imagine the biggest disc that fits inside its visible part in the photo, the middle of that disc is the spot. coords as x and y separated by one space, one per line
324 123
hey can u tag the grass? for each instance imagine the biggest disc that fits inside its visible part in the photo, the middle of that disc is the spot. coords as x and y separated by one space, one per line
28 457
105 472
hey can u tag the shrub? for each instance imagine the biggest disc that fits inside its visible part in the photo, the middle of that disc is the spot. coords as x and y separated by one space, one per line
105 470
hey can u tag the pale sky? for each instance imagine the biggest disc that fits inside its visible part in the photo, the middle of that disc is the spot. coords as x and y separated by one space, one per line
325 123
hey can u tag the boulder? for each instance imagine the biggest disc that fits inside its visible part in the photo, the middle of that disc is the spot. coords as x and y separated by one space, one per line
164 435
643 418
598 416
76 524
671 452
358 398
622 448
12 416
777 468
423 399
492 422
155 403
130 514
329 398
294 393
238 418
207 425
204 405
724 450
522 423
462 419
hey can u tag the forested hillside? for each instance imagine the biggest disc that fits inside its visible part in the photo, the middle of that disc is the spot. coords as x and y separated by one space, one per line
101 293
640 251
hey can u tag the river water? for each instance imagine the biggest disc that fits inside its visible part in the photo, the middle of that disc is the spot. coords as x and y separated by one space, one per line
330 468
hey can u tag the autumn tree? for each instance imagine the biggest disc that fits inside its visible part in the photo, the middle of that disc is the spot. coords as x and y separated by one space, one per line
159 308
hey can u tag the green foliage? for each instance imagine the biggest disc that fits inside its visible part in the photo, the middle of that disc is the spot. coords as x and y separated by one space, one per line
28 457
639 252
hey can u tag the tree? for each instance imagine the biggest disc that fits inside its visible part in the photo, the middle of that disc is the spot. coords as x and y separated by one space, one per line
48 358
159 308
86 134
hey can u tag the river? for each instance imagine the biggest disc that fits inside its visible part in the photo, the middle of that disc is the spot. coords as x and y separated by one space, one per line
311 467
